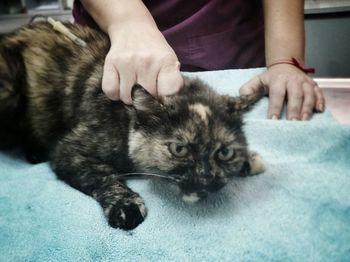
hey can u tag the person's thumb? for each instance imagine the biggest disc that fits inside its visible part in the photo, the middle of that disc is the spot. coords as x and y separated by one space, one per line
254 85
170 80
110 81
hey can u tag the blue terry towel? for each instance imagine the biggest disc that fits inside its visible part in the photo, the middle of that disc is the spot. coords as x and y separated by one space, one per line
298 210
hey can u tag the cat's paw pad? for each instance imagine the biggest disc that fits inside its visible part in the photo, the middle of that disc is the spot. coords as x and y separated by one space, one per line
256 163
127 214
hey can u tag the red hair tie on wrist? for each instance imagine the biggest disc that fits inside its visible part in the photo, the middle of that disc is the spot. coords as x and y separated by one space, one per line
294 62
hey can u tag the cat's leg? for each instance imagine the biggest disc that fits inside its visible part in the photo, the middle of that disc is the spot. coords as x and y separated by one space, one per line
254 166
122 207
76 161
9 106
34 152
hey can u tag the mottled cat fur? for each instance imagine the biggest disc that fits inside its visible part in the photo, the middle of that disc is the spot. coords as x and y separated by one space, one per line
51 103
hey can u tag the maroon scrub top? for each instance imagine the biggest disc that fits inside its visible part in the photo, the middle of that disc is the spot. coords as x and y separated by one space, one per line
206 34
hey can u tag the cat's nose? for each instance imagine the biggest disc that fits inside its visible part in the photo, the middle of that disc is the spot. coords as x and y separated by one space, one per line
205 178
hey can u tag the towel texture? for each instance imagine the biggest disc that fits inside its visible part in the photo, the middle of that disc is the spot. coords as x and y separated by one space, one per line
298 210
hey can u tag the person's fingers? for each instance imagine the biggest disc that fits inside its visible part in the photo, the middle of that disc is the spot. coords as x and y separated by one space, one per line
254 85
309 101
127 77
320 103
295 100
277 93
110 81
170 80
147 75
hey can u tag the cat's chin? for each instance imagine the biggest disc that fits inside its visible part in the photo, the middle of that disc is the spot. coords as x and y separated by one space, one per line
191 198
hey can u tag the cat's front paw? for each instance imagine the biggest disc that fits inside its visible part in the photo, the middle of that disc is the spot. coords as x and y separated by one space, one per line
256 163
126 213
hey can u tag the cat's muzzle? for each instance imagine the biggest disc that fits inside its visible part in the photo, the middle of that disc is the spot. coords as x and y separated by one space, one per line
198 189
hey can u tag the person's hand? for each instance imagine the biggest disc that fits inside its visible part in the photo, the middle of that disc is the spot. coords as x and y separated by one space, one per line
139 54
287 82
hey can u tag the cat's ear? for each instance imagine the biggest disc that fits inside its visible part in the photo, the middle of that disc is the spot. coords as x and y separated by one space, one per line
242 103
142 100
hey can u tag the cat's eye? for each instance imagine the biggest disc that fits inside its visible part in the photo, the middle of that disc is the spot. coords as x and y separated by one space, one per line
225 154
178 149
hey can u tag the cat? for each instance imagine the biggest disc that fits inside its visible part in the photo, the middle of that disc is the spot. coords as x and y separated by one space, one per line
52 104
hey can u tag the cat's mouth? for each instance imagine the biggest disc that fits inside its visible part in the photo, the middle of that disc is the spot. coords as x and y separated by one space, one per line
192 192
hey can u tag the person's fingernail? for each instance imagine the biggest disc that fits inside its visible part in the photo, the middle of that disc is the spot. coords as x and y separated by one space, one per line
274 117
294 119
305 116
321 107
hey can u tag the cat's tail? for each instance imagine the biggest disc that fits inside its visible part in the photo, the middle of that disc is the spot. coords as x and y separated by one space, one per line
244 103
241 104
10 97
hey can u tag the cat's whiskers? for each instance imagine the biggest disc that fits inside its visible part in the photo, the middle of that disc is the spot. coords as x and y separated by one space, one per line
172 177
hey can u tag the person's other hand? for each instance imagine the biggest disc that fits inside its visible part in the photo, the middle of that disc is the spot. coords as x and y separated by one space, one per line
287 82
139 54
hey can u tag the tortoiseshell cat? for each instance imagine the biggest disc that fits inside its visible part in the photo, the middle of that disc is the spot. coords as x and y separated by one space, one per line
51 103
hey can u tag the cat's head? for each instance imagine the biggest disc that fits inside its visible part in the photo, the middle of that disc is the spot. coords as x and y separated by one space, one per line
194 137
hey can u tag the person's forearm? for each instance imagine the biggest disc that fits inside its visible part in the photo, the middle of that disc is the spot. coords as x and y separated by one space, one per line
110 14
284 30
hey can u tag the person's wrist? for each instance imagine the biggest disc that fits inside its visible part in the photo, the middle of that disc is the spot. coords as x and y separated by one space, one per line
117 27
294 62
